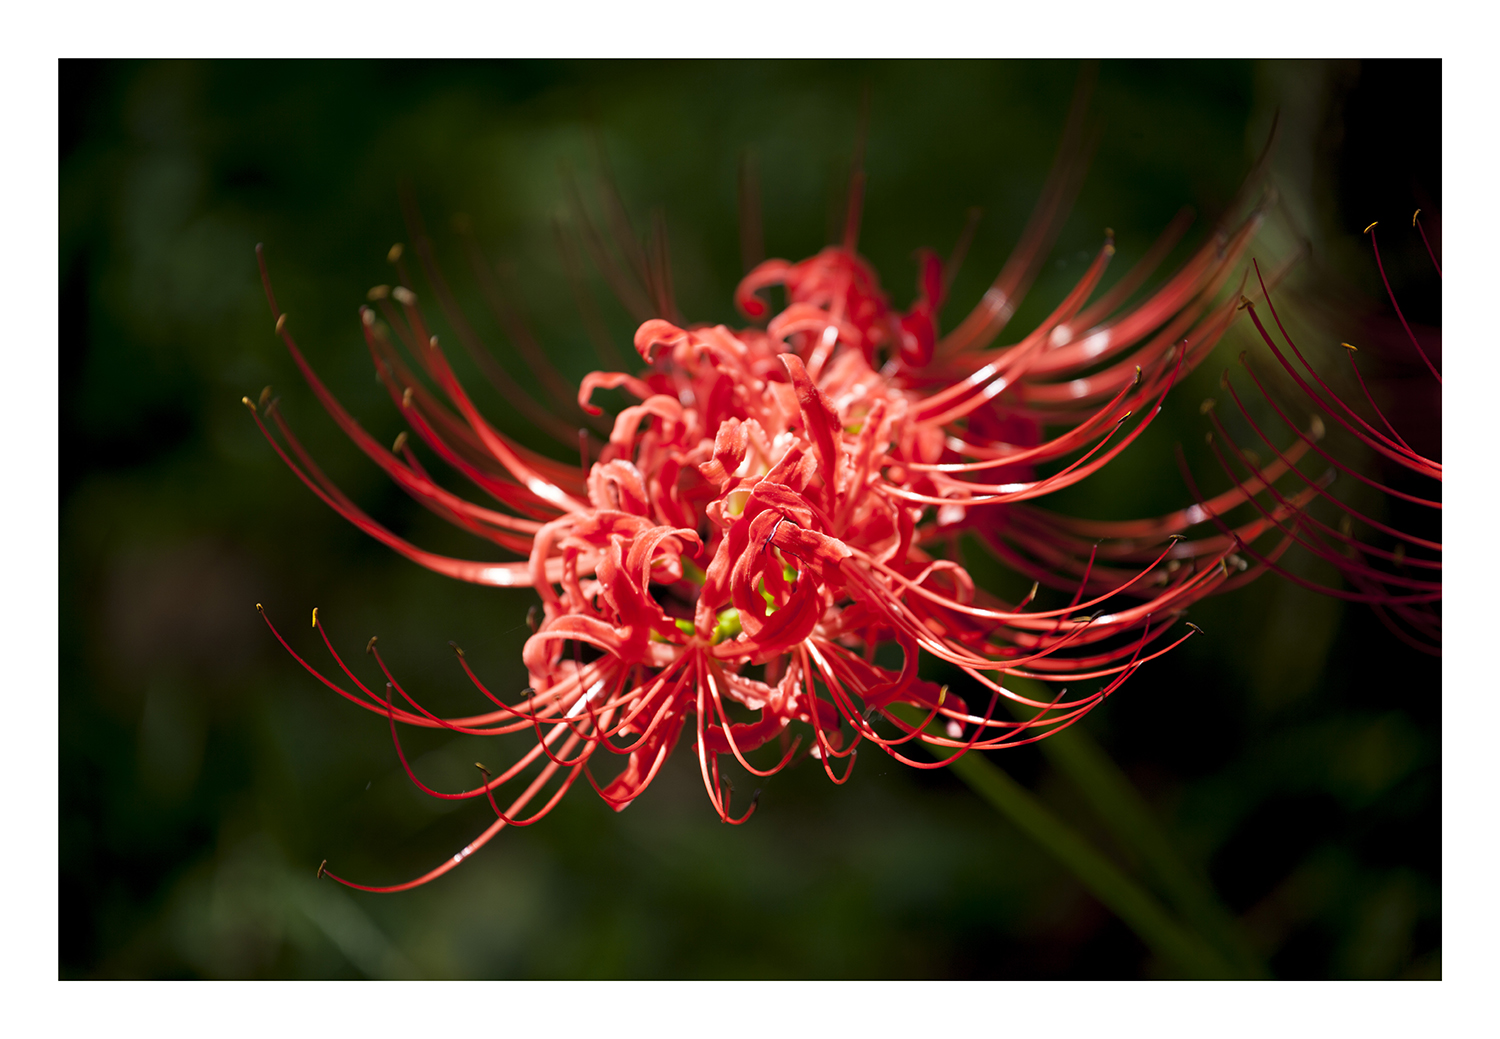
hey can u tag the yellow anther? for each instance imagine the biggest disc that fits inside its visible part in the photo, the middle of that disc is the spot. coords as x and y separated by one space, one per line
1414 218
480 765
1350 346
394 253
1315 427
315 617
248 403
942 695
369 646
378 292
1372 224
403 295
1207 406
265 395
259 608
280 323
321 867
406 398
400 443
432 342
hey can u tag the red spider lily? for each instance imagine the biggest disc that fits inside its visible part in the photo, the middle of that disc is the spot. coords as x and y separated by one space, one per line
1402 580
784 500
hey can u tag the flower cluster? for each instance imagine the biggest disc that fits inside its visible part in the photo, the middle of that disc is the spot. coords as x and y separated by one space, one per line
783 500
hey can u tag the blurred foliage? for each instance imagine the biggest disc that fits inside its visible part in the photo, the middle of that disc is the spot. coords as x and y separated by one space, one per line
1292 754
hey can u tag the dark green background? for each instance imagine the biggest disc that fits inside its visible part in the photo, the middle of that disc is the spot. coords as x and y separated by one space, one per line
1293 752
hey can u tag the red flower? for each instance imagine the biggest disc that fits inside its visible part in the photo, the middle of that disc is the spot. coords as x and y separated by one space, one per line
789 498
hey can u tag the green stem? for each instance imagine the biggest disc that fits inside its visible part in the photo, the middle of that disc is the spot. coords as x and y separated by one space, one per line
1140 911
1122 809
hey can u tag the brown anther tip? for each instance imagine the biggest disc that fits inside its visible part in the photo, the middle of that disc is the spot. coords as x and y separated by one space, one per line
394 253
755 797
457 648
315 617
432 342
480 765
400 443
403 295
280 324
1208 405
1224 379
1350 346
1208 438
1176 538
265 395
1194 627
378 292
406 398
370 646
322 866
1372 224
1414 218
